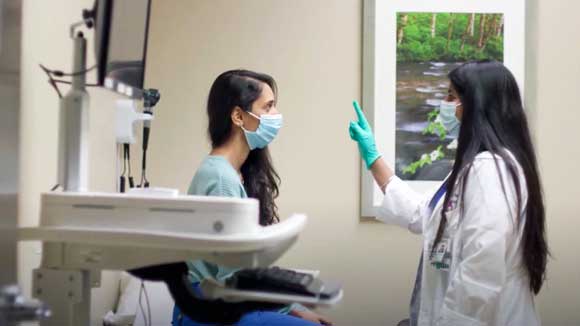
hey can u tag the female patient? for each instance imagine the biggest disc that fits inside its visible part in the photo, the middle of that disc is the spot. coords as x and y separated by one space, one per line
243 120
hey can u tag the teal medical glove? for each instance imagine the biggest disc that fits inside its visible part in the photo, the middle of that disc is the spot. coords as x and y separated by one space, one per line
361 132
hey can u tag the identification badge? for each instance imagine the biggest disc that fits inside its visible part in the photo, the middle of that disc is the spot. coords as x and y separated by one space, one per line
440 257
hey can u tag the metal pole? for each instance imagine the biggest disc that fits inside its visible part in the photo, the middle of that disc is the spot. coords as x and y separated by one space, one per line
74 125
72 306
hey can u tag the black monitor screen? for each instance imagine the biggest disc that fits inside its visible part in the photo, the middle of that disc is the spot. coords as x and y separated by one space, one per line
123 46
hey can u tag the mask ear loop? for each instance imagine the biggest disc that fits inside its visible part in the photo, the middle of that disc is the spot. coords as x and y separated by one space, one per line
253 115
244 129
241 125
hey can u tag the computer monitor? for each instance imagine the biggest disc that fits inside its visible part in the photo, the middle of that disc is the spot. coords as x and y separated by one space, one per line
121 32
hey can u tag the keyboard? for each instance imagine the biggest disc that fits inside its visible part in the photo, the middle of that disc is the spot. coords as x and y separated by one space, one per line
279 280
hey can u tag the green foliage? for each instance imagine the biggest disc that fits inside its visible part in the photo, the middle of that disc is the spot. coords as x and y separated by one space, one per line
495 46
433 128
418 45
425 159
432 115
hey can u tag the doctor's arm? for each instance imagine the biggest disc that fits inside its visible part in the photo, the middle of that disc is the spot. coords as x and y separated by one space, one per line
479 278
401 205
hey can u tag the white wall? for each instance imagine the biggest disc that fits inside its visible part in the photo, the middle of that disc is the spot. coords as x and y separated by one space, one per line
45 40
554 69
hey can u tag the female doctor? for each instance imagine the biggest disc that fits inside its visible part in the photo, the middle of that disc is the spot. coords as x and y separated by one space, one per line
484 248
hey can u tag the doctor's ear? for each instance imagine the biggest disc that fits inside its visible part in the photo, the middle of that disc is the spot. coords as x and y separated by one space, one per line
237 116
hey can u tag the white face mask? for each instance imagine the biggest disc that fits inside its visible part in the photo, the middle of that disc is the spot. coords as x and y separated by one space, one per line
447 116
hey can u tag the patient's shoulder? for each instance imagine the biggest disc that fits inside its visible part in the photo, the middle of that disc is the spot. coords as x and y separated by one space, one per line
216 177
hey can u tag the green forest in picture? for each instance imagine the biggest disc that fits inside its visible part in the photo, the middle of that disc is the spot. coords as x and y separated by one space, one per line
429 46
449 37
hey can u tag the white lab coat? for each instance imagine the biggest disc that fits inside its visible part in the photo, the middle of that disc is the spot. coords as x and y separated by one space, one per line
485 283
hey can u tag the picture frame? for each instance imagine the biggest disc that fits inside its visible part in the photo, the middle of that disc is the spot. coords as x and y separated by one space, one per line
379 96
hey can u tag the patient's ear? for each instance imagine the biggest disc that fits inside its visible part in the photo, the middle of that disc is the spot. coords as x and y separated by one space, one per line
237 116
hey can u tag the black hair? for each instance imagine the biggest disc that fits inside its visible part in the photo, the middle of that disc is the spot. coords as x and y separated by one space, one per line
241 88
493 120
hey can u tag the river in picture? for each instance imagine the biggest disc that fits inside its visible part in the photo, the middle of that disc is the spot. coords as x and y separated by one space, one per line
420 89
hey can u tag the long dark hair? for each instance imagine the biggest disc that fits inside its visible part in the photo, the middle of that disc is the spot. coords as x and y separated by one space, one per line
242 88
493 120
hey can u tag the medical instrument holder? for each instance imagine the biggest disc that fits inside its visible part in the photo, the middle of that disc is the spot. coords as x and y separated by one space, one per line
150 98
126 115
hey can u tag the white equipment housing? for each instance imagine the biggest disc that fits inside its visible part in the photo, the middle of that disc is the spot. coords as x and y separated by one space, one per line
85 233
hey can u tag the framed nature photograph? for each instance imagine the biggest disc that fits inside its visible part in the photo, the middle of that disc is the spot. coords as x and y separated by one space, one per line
429 46
409 48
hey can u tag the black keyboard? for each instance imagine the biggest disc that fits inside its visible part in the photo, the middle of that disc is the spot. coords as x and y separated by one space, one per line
279 280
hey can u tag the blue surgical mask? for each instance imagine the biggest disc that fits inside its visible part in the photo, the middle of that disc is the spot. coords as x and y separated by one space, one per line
448 118
267 130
